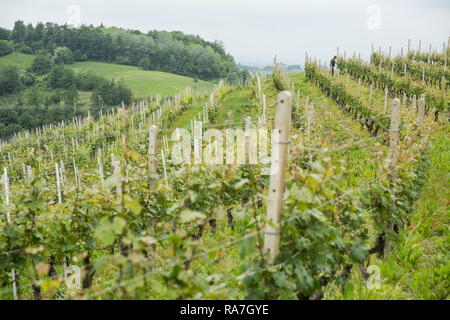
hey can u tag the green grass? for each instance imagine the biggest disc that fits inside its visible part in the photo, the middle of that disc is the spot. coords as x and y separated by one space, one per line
238 103
142 83
19 60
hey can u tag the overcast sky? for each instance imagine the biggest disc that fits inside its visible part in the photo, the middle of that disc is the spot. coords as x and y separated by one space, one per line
253 31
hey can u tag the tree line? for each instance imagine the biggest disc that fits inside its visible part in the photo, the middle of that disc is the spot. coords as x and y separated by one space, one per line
172 52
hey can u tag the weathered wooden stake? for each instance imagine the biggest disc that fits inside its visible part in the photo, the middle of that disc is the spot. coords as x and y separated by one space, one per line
385 98
278 170
116 170
100 166
58 187
164 166
393 133
61 170
420 117
8 218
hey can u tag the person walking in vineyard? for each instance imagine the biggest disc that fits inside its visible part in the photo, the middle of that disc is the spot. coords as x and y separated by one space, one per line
333 64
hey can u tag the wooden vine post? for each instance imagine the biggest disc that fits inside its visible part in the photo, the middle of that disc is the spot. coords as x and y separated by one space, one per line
100 166
420 117
152 144
8 219
385 98
58 182
164 166
248 123
116 171
393 133
278 170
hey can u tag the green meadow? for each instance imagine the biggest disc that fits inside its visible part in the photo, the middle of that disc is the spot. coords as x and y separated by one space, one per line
142 83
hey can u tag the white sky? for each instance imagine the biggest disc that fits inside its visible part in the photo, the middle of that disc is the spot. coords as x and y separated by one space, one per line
253 31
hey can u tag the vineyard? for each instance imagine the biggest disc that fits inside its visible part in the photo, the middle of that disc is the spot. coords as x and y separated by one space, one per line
349 201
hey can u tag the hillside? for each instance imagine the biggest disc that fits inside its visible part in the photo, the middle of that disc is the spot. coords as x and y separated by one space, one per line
17 59
142 83
173 52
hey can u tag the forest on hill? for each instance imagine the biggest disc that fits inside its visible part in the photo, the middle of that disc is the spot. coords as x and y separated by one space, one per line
172 52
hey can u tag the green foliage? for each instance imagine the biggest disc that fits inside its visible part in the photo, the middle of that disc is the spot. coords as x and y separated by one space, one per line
144 63
5 34
27 79
71 96
318 240
9 80
34 97
19 32
277 82
61 77
110 93
5 48
87 81
62 55
42 64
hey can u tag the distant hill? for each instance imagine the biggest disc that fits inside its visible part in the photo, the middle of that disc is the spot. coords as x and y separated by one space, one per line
142 83
173 52
17 59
